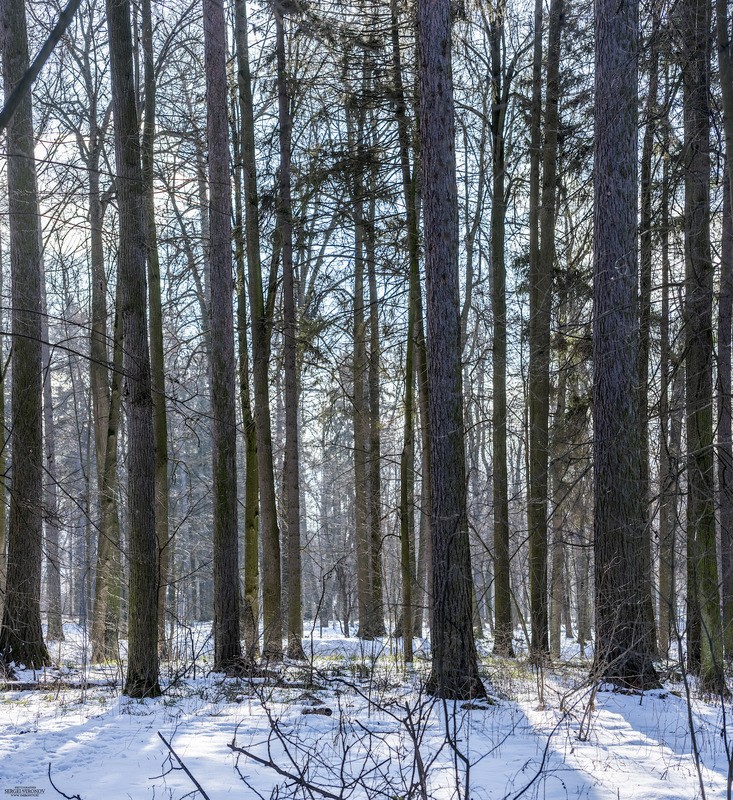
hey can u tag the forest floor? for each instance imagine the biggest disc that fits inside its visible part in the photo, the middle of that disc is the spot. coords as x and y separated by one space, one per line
353 723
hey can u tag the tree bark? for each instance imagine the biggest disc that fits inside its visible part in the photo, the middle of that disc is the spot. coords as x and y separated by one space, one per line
21 637
623 632
645 313
142 666
725 445
668 456
261 325
537 501
725 449
376 600
407 456
503 627
291 473
454 672
227 646
540 344
55 627
157 363
701 542
249 610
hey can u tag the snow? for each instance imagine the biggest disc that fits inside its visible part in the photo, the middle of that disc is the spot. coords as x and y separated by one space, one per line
547 737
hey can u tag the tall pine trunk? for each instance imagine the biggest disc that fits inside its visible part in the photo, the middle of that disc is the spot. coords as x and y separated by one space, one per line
503 628
227 646
645 313
623 642
539 368
706 643
725 450
21 637
454 671
291 467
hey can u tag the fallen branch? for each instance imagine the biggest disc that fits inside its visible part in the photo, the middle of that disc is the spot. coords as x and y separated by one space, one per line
297 779
184 767
35 686
56 788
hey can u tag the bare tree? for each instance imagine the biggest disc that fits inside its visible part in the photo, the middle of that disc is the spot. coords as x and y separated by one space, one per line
261 326
142 665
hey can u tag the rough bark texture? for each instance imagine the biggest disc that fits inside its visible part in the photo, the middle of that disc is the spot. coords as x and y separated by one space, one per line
227 647
105 418
702 571
454 671
3 455
157 364
55 628
539 368
376 599
107 587
291 476
249 610
669 443
725 446
142 666
21 638
725 317
261 324
407 456
359 373
623 646
645 314
503 629
537 498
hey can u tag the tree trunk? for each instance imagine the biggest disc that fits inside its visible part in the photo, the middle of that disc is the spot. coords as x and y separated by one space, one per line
725 448
157 364
407 456
21 637
107 587
503 627
670 434
291 477
3 452
623 632
454 673
559 490
142 666
250 601
227 646
359 372
701 542
539 367
261 324
537 501
645 312
376 600
55 628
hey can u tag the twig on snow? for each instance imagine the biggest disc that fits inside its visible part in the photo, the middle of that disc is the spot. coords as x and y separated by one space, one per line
183 767
67 796
297 779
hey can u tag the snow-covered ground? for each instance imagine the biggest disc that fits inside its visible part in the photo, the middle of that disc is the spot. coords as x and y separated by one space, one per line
548 738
